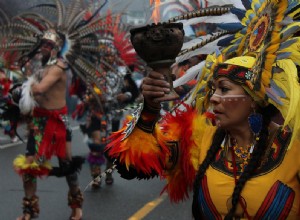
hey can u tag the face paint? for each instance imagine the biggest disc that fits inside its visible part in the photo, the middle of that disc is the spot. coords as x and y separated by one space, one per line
49 45
231 98
230 108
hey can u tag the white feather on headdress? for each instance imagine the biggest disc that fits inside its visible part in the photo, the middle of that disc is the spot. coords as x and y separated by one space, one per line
226 18
207 49
190 74
235 3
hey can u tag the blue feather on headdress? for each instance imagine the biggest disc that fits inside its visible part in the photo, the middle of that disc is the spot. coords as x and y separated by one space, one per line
232 27
238 12
225 42
281 56
65 48
275 93
247 4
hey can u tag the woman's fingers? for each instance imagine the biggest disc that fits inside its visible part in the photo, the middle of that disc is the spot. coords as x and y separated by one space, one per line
158 87
155 75
154 86
155 81
153 94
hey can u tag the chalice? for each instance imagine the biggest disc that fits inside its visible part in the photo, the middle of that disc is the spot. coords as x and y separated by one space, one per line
158 45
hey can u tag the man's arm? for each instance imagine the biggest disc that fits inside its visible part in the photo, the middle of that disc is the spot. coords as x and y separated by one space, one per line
53 75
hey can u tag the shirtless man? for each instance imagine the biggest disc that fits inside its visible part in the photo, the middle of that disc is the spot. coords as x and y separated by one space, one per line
49 131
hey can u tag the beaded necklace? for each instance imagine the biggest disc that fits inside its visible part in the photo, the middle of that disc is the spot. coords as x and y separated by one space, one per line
242 154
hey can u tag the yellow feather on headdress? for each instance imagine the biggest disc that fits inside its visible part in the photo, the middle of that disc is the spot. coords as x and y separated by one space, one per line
287 81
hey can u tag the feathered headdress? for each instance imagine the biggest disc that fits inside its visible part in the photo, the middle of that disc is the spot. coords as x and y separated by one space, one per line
208 14
267 36
78 28
118 41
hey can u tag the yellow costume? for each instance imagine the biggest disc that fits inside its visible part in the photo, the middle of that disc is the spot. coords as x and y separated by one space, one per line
262 57
273 193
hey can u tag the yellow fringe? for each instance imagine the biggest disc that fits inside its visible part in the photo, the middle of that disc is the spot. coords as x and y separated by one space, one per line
21 163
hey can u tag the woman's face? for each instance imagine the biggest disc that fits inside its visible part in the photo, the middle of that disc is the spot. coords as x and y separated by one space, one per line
231 105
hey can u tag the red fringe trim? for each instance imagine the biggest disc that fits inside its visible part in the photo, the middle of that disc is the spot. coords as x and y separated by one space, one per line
181 178
54 137
150 152
40 172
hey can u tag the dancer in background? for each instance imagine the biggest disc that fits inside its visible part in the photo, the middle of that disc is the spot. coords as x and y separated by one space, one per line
50 132
63 43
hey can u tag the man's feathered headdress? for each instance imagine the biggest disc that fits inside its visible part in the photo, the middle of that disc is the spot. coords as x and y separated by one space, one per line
76 26
87 35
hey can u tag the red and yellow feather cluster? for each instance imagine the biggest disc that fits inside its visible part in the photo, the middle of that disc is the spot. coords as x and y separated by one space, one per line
147 152
22 166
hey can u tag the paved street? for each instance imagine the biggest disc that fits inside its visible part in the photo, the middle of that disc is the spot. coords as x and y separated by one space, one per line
123 200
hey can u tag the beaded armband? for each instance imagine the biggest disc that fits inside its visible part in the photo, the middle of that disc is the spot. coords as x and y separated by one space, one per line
148 118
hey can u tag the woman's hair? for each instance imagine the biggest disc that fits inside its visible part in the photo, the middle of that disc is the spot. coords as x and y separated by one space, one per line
254 162
215 146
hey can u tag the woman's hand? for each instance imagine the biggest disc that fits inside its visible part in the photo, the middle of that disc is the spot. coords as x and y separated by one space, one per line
154 86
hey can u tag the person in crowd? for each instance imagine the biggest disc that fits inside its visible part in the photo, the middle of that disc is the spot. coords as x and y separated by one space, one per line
182 68
223 145
95 127
50 132
65 41
10 112
125 94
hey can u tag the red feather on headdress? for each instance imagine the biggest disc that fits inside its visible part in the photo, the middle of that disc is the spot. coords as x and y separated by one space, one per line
125 48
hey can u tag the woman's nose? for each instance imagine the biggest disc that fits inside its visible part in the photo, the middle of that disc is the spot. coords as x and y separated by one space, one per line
215 98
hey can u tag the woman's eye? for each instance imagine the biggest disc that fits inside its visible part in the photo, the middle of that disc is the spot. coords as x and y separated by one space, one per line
224 89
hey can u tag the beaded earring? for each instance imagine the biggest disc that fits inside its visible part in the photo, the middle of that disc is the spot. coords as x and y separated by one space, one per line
255 121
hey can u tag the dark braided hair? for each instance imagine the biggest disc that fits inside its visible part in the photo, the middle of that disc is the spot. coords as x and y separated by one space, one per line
249 170
215 146
260 147
254 162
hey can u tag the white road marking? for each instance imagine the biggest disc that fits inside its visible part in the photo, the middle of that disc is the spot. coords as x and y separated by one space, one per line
20 142
11 144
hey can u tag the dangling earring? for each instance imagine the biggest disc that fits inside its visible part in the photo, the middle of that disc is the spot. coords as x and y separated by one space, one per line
255 121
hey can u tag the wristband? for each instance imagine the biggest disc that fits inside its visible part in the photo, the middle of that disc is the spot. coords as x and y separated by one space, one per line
148 118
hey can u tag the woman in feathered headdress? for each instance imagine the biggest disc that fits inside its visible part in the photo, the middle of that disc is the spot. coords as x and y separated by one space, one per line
224 145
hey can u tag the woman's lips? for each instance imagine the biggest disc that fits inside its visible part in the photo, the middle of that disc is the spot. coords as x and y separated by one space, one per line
217 112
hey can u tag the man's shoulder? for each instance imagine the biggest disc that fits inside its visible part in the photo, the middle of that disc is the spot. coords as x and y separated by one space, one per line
61 64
